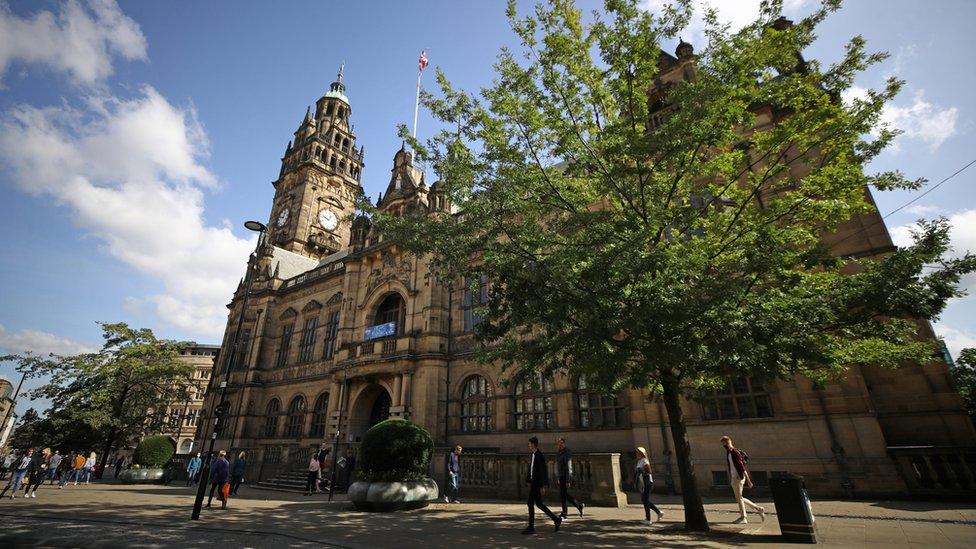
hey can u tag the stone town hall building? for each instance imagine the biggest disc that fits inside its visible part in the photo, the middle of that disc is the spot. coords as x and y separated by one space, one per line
343 330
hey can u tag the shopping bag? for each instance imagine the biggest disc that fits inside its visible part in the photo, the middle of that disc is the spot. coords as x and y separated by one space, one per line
225 490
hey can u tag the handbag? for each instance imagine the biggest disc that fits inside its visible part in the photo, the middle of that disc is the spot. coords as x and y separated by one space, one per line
225 490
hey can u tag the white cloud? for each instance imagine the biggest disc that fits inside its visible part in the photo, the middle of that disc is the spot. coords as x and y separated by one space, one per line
41 343
924 210
919 121
962 240
737 13
956 340
81 40
131 172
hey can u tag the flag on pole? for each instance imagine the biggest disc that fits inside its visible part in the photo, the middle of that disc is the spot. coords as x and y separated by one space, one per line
422 62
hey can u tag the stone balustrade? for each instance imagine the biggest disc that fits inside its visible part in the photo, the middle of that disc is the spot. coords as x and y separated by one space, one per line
937 471
502 476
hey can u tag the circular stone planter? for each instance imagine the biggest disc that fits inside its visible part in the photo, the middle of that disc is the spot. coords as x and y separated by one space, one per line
141 476
392 496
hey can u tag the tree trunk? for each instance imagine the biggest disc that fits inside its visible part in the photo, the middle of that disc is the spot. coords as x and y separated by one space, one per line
694 509
109 442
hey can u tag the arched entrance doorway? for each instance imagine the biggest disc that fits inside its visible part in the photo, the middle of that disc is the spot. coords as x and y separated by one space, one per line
372 406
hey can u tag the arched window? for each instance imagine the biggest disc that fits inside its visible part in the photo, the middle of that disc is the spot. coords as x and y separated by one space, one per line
271 418
296 417
476 405
598 410
328 109
392 309
320 415
533 404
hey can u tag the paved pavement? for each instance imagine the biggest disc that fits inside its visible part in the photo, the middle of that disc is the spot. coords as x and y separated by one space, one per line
106 515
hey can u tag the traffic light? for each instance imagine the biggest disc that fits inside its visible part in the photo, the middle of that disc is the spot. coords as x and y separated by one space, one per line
222 410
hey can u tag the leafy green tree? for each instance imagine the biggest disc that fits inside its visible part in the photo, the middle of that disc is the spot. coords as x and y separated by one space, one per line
117 391
964 375
668 250
26 434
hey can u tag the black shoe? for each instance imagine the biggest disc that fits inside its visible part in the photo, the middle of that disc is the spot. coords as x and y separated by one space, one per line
559 521
581 507
528 531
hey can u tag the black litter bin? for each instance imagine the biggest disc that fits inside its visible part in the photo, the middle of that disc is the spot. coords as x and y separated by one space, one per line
796 520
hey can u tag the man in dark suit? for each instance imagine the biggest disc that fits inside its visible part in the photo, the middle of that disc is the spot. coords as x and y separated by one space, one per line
538 479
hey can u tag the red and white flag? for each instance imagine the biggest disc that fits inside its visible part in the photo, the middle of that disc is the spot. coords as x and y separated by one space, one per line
422 62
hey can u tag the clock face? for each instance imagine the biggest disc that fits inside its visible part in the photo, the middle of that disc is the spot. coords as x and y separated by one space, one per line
282 218
328 219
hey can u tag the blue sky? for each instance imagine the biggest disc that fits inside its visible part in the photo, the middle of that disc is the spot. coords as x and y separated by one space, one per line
135 138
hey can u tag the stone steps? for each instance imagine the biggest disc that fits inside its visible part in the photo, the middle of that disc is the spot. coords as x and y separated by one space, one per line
287 481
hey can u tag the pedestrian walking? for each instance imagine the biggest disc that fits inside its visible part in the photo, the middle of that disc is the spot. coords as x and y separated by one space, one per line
219 475
19 470
53 465
538 479
5 464
37 472
193 469
87 467
350 466
79 465
65 469
740 479
564 470
644 480
237 473
324 470
314 470
119 463
453 475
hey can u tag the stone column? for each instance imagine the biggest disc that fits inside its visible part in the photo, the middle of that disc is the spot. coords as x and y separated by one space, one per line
406 381
605 480
398 391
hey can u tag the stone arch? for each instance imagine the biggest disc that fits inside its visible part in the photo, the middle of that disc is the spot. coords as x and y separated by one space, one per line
367 407
185 447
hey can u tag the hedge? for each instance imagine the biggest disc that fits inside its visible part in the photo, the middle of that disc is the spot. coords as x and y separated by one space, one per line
154 451
395 450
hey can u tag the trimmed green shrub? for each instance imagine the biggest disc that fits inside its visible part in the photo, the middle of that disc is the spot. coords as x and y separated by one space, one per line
154 451
395 450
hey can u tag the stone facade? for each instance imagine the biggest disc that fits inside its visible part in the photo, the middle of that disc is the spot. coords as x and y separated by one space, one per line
342 330
182 417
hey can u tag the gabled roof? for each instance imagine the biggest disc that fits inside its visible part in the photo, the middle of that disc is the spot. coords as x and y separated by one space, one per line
289 264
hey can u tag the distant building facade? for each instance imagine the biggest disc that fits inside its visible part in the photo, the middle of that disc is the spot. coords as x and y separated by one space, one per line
182 417
343 329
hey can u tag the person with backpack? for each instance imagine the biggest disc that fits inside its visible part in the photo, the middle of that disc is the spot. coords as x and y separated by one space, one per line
739 478
453 475
20 468
644 482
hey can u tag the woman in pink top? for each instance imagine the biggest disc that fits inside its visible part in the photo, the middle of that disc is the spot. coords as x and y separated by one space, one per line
314 469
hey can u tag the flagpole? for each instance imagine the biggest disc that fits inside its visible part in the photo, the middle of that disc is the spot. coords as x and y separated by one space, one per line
416 104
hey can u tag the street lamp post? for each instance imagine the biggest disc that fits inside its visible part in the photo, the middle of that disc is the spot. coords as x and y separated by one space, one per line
259 228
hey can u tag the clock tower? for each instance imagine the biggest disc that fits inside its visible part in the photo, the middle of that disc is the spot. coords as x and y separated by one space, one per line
319 180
